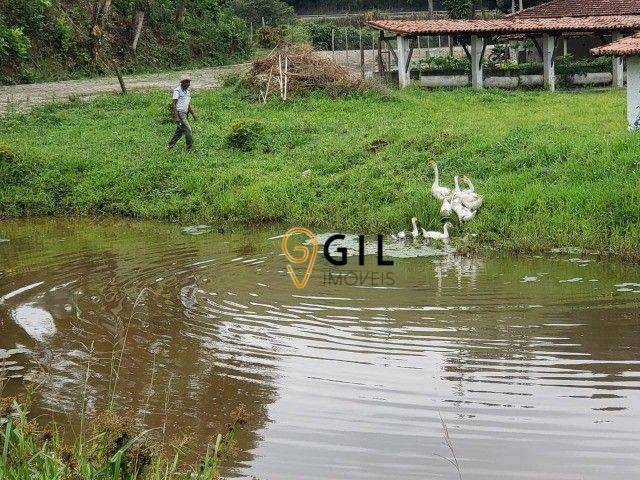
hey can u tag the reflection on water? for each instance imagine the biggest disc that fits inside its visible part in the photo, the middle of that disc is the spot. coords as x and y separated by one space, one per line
534 363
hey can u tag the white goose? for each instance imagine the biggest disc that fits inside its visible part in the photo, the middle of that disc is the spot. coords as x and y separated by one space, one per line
470 200
445 210
436 190
415 233
471 188
463 213
444 236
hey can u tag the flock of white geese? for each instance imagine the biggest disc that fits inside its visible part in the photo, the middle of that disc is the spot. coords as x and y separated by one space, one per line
465 203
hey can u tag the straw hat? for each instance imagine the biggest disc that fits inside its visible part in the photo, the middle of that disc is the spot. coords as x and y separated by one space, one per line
184 77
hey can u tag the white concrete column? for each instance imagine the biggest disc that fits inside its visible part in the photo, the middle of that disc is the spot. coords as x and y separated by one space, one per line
477 44
633 92
513 52
404 76
548 47
618 65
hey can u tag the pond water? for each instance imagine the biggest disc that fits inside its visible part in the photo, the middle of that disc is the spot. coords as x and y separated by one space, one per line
532 363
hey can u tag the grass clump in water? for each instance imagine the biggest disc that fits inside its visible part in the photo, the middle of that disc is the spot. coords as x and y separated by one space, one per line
113 450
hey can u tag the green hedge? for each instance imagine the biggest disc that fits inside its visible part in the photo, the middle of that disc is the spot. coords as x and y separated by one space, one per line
565 65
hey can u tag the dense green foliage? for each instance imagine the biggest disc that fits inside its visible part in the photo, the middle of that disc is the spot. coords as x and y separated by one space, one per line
52 39
272 12
459 8
557 169
329 6
320 36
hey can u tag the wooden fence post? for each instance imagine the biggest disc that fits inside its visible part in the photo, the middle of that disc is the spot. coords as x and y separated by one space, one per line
346 44
333 44
361 56
380 60
373 50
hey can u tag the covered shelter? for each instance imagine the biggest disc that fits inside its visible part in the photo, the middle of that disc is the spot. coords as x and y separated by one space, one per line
628 47
545 24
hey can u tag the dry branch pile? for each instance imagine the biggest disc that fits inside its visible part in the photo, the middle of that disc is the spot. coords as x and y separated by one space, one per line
296 69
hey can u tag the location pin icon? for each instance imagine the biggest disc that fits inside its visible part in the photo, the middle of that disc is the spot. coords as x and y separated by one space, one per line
303 254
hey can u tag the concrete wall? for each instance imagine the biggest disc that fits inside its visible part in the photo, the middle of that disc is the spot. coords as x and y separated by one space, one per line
596 78
435 81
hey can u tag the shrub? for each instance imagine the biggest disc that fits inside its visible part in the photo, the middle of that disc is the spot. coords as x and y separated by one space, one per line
161 13
17 42
14 50
63 35
446 63
565 65
296 33
269 37
27 14
6 153
233 32
245 134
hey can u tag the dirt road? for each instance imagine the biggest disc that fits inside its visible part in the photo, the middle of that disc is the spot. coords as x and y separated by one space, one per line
24 97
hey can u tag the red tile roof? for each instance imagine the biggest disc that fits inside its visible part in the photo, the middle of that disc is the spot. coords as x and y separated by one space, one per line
511 25
580 8
626 47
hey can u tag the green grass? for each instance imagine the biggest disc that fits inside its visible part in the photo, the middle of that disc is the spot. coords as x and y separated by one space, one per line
557 169
112 451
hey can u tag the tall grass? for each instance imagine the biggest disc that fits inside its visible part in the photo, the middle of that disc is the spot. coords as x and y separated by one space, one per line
113 450
557 170
108 446
448 441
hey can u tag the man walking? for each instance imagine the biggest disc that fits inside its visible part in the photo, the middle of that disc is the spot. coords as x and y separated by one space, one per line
181 107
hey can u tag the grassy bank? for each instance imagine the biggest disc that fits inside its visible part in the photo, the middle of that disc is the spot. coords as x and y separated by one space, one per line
557 169
109 449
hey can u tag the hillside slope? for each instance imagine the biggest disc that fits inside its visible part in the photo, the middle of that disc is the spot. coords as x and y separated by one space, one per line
44 40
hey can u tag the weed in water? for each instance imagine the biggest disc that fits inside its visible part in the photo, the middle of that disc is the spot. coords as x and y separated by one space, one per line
449 443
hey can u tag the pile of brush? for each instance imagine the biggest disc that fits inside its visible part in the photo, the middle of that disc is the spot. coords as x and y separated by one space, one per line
290 70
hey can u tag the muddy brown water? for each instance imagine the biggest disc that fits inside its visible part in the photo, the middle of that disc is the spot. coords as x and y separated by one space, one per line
533 363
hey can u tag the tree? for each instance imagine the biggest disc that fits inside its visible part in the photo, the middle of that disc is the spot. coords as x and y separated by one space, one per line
459 8
141 7
100 15
274 12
